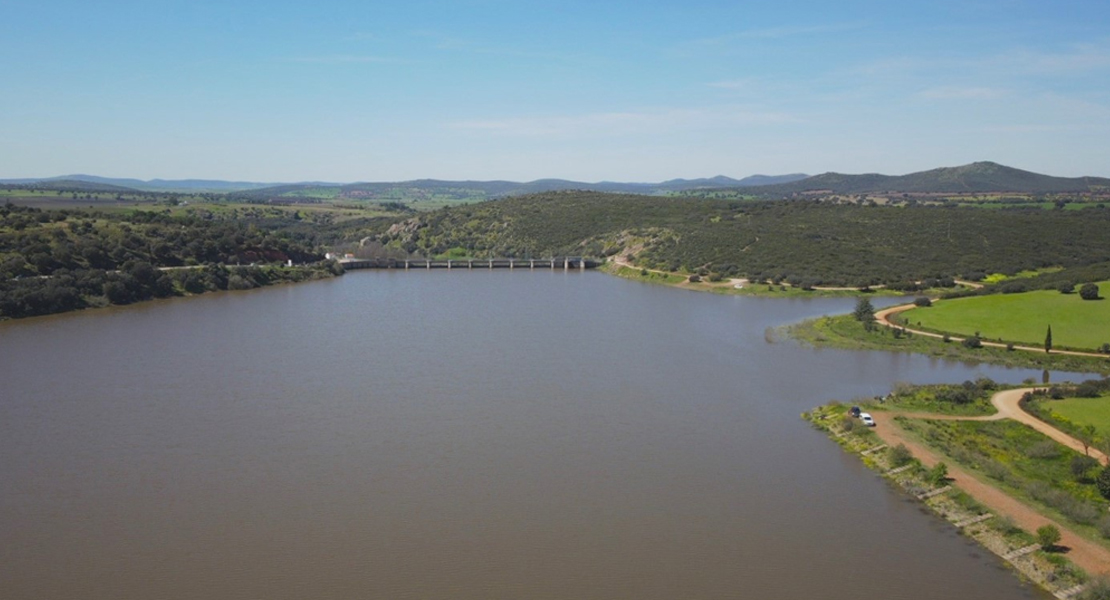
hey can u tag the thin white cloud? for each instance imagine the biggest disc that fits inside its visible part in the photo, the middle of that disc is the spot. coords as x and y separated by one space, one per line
340 59
1078 60
745 84
360 36
728 41
1082 58
774 33
905 66
626 123
1003 129
454 44
1094 114
961 93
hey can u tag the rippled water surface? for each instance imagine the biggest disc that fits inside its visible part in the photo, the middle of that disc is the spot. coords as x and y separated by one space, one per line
455 435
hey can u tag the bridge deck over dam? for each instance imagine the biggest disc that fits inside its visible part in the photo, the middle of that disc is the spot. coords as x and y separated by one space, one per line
565 263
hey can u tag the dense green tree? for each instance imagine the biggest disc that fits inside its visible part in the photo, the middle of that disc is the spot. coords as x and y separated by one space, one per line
1048 340
1088 291
864 312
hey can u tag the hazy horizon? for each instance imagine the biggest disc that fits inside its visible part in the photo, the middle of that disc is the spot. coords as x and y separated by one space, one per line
344 91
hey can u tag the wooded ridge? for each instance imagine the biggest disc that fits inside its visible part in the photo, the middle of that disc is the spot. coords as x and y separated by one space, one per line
799 241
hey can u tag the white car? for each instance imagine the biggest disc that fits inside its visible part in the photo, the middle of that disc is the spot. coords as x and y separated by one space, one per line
867 420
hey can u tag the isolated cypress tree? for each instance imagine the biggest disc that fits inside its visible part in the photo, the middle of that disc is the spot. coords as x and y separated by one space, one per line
864 311
1048 340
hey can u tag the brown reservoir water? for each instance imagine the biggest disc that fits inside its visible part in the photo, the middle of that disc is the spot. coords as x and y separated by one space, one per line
455 435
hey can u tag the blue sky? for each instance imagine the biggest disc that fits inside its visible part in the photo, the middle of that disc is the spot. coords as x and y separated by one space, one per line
489 89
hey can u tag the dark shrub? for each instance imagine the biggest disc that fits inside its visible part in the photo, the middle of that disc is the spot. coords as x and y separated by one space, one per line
900 455
1088 291
1103 482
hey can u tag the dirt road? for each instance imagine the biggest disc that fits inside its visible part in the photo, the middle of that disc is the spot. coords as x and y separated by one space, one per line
1092 557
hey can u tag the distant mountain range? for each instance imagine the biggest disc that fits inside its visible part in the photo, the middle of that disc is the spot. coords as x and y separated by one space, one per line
153 185
979 177
487 188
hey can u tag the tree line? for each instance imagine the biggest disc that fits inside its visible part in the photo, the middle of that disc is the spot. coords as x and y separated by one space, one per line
56 260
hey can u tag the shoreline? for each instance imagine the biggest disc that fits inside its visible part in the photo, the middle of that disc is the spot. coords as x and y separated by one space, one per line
844 332
921 342
728 286
993 518
285 276
997 520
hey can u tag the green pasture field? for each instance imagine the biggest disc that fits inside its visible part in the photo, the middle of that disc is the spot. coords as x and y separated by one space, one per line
1085 411
20 193
327 197
322 193
1022 318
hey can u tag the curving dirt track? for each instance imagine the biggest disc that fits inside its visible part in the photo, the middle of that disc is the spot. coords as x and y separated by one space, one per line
1092 557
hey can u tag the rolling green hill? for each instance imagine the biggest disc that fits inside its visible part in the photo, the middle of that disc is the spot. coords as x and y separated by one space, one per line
71 185
800 241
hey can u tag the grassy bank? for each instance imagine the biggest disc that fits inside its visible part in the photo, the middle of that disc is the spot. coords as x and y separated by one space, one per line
967 399
846 332
993 531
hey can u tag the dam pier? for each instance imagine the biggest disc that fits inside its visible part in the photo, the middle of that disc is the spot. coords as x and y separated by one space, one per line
563 263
